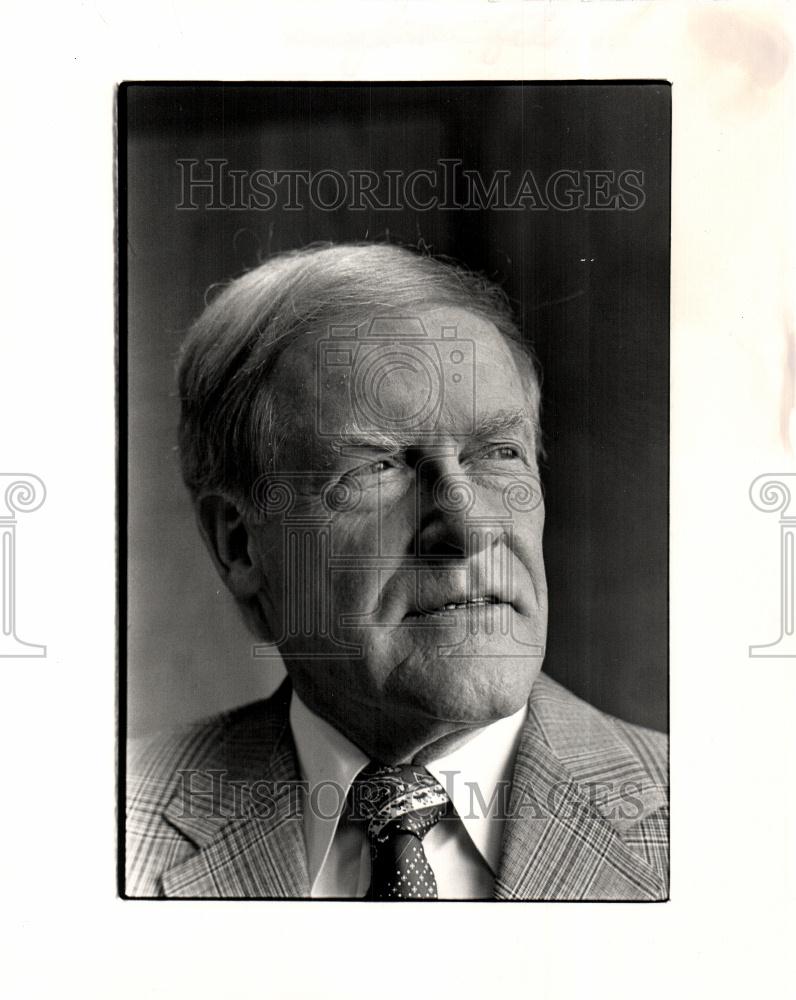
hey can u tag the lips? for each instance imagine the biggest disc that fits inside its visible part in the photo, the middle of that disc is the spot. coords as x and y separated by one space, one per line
476 587
473 603
459 604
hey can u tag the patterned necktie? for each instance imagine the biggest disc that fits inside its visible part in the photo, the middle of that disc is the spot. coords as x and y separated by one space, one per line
400 805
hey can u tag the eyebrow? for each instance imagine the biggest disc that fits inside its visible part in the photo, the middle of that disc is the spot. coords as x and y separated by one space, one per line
504 421
499 422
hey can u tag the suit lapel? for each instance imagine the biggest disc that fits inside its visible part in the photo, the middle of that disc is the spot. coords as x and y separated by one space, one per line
569 804
244 813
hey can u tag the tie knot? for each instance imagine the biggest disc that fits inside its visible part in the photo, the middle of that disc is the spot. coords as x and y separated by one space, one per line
398 799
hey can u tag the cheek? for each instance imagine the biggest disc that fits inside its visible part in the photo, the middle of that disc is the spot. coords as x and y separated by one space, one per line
379 526
526 545
527 531
357 534
269 552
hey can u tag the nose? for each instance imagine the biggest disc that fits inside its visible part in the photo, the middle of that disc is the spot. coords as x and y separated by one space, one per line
452 520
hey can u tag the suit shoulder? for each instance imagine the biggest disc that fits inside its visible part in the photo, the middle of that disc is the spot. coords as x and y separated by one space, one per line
650 746
156 766
578 732
151 757
203 742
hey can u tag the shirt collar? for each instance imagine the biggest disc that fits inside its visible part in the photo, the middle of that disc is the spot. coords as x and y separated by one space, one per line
477 777
471 774
328 763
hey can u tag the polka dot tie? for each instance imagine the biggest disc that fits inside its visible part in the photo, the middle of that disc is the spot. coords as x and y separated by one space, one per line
399 805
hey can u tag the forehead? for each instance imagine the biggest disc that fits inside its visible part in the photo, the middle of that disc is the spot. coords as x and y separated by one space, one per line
441 370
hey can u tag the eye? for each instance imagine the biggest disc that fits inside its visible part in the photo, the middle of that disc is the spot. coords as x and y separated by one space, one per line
373 471
503 452
381 466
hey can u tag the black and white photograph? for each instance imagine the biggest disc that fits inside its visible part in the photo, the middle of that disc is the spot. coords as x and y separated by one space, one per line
395 407
398 499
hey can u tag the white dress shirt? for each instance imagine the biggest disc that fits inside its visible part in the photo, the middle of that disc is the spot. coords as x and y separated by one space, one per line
464 852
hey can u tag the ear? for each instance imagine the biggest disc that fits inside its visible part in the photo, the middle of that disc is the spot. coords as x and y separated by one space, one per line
228 538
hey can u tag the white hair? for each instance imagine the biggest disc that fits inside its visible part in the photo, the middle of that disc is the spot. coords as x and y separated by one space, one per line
230 427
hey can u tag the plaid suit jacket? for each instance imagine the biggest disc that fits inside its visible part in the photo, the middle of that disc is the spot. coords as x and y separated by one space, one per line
216 811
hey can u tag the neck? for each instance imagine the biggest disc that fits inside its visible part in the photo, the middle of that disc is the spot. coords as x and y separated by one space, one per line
395 739
444 745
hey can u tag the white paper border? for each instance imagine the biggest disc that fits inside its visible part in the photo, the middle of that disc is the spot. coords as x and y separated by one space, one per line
726 930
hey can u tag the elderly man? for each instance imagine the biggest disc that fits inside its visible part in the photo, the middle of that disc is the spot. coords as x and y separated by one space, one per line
360 432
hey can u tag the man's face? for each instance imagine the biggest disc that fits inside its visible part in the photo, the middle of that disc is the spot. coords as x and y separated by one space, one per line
405 578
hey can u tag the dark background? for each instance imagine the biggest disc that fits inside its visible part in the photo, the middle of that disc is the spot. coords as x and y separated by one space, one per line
591 289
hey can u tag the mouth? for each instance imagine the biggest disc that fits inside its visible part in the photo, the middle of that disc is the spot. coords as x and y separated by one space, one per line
471 604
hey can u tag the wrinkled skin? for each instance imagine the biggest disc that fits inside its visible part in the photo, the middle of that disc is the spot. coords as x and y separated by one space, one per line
374 662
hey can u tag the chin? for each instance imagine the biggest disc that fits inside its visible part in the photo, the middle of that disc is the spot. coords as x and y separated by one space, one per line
471 689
